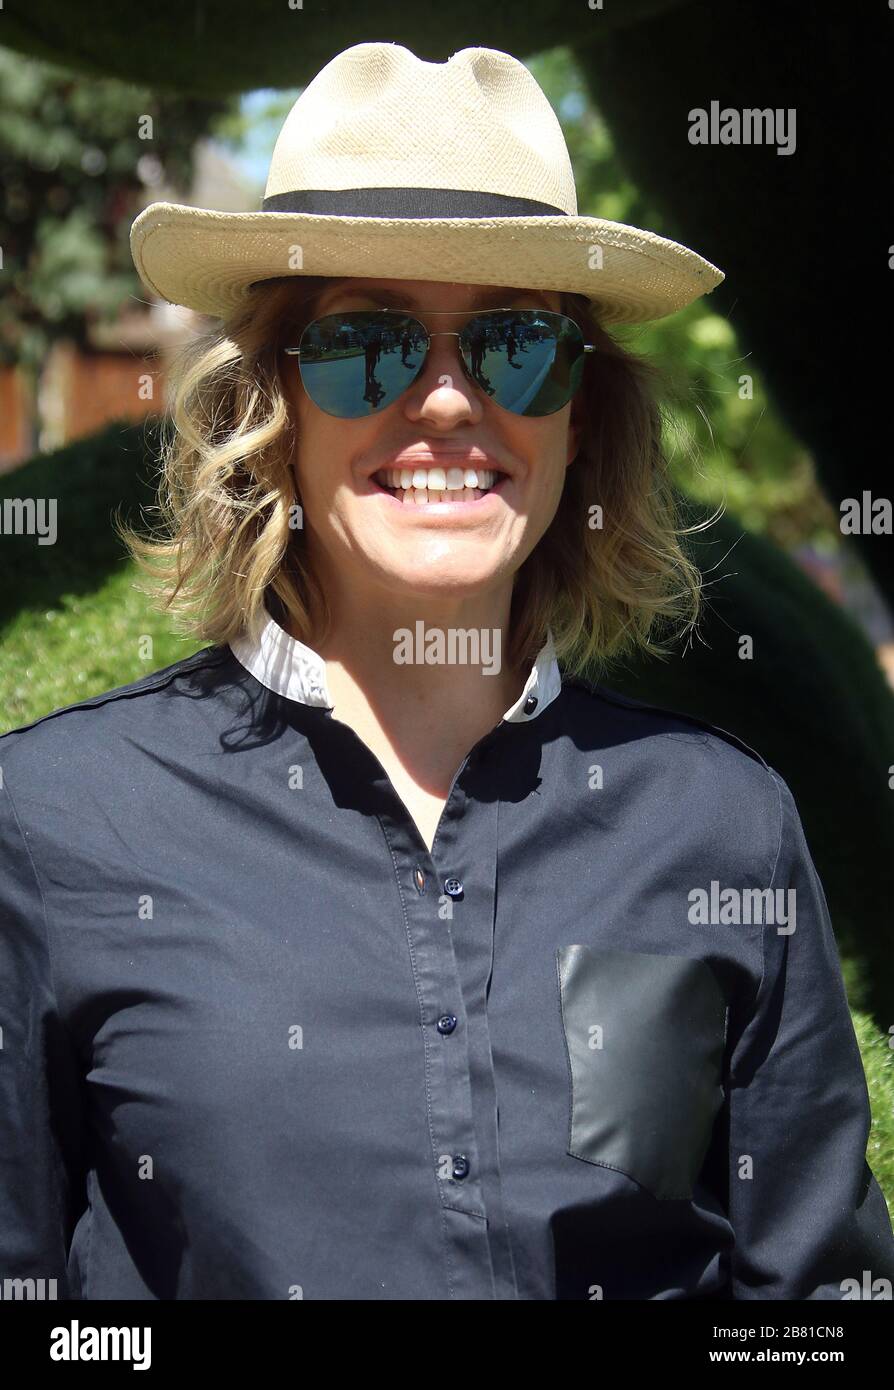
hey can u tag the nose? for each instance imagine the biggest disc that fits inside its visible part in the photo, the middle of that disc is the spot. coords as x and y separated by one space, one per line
442 395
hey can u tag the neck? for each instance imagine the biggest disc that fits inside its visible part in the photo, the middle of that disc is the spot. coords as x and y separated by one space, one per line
421 681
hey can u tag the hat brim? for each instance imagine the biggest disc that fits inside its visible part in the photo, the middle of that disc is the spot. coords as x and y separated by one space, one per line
207 260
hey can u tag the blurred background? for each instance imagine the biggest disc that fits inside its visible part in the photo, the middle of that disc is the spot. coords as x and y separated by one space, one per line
773 409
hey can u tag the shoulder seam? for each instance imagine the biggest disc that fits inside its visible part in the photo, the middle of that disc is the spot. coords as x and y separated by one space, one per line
156 680
29 855
615 697
781 787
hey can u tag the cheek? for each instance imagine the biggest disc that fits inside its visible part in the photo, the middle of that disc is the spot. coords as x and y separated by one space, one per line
326 450
316 438
545 449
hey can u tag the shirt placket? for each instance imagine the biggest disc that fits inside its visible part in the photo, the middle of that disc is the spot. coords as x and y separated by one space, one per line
468 842
440 904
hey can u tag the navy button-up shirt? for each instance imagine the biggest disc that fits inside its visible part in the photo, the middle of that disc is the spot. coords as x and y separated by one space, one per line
260 1043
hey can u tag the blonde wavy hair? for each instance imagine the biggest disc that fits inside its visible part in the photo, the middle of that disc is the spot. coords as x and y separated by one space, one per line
228 491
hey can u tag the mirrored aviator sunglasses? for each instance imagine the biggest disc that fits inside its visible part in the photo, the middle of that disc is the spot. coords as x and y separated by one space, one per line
528 361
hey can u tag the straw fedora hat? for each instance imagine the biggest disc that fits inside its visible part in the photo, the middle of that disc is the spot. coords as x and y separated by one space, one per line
391 167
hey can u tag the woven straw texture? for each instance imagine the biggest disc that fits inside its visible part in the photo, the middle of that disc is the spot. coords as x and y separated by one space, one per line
377 116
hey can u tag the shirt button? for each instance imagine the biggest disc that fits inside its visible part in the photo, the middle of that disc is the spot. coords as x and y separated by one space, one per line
453 886
419 879
460 1165
530 704
446 1023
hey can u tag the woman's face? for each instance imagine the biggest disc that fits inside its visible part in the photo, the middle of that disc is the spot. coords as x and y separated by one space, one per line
362 539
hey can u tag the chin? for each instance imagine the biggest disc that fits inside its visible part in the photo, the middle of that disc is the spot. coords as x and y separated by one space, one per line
433 581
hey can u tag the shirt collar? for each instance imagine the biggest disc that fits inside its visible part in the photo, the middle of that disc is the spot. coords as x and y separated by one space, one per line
292 669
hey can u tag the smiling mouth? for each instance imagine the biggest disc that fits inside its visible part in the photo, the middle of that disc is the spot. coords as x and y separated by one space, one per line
427 485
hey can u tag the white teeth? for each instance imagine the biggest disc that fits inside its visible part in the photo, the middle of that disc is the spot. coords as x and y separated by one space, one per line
434 484
412 497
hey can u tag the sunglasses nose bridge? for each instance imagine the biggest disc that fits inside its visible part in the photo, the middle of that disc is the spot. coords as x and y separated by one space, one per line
437 359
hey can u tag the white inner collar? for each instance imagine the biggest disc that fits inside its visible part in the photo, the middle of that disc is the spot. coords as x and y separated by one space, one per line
291 668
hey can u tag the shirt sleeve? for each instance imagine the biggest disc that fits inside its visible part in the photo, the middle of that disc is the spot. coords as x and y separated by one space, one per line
42 1190
806 1210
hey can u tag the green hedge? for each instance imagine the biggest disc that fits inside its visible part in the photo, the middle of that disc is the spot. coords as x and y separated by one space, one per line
814 702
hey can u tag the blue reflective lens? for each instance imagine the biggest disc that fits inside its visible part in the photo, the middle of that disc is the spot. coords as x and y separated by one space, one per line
353 364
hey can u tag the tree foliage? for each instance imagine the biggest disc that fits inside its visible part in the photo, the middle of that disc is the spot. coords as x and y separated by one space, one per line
76 160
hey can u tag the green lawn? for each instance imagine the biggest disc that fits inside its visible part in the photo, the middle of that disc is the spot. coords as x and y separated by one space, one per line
84 644
878 1059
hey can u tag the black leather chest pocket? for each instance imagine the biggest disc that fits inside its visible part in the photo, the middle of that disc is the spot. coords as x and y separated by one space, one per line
645 1036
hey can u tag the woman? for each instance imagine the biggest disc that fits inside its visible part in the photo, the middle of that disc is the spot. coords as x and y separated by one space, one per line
366 953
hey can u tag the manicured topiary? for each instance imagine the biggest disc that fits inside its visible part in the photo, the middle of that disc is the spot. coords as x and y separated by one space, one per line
814 702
